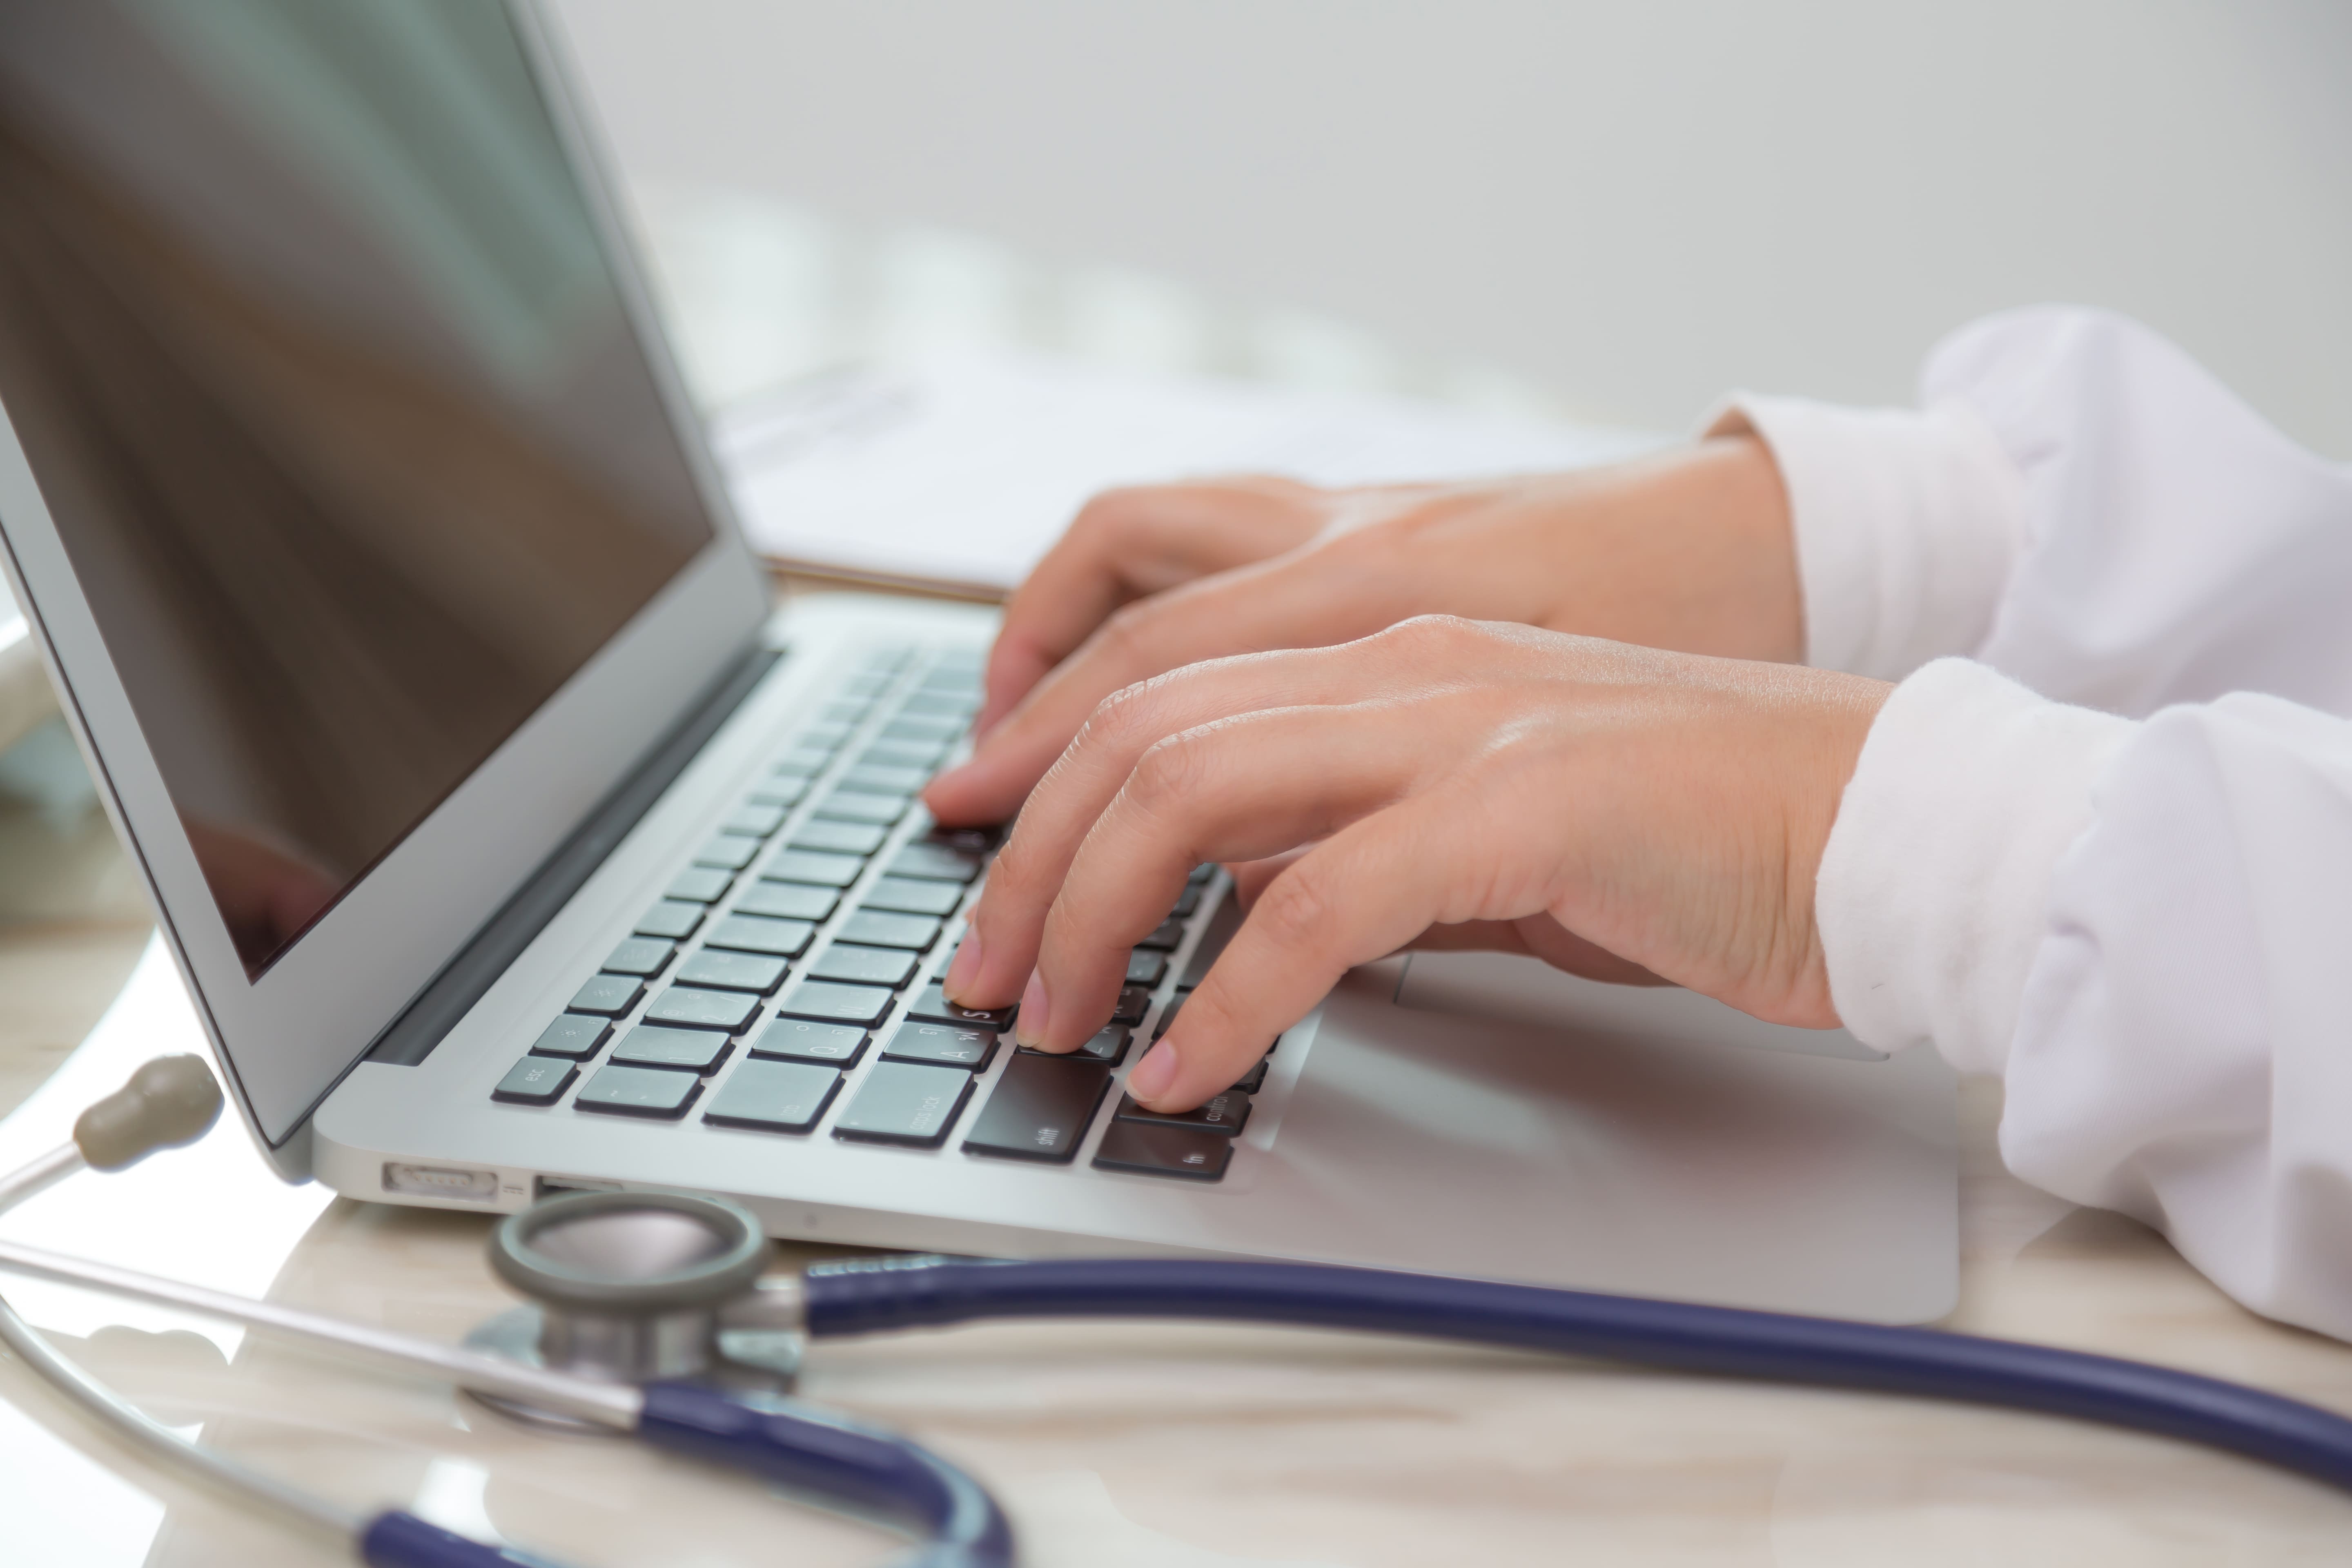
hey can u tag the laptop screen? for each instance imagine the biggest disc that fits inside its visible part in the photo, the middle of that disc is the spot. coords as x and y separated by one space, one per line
307 333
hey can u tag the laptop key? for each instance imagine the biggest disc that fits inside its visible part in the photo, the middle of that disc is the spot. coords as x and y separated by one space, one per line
1188 902
865 965
774 1097
1107 1047
905 1102
926 755
700 884
932 1006
830 1003
1039 1110
799 1040
728 851
571 1036
943 1044
688 1008
608 995
670 919
806 866
787 901
1220 929
1167 938
782 791
1146 967
922 729
1252 1080
935 862
939 705
535 1081
756 934
906 896
875 779
802 762
1225 1113
859 806
1169 1017
757 819
1133 1003
877 928
640 956
826 734
1202 874
756 972
1143 1150
838 838
639 1092
692 1050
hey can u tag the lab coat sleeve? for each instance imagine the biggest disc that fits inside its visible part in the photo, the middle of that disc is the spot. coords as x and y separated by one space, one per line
2110 857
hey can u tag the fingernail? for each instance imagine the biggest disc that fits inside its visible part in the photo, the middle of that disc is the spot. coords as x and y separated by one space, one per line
1029 1026
965 968
1154 1073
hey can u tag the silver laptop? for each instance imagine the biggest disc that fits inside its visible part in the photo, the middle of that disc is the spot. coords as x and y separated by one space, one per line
508 843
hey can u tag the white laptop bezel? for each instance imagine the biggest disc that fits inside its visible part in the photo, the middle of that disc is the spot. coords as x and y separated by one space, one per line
286 1038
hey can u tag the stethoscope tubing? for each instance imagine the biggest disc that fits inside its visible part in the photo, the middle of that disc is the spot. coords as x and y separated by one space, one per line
856 1298
849 1465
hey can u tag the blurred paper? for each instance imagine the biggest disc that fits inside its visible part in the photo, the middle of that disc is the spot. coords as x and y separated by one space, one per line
962 472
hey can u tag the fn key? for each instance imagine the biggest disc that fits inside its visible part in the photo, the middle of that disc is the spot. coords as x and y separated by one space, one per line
1150 1150
1039 1110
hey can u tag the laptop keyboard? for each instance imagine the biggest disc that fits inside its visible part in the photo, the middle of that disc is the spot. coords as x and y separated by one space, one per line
786 983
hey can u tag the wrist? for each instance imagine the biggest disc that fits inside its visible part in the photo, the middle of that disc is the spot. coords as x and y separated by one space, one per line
1690 550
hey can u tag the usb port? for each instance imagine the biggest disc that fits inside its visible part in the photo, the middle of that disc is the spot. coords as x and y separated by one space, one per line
555 1186
440 1182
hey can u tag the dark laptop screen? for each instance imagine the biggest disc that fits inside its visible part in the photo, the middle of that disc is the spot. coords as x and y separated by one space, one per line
307 334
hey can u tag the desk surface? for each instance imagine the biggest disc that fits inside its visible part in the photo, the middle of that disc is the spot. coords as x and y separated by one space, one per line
1136 1444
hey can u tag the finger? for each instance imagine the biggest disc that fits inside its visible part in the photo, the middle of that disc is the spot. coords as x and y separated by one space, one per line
1376 885
1126 543
1540 937
1250 876
1282 604
1240 788
1007 924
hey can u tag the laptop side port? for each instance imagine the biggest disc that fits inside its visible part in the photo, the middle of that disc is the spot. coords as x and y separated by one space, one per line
440 1182
556 1187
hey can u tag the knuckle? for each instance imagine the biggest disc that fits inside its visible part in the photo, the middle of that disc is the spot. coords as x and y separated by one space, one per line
1171 772
1294 912
1128 633
1118 717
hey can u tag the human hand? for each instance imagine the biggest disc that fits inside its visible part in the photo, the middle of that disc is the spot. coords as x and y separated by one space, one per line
1639 811
1689 549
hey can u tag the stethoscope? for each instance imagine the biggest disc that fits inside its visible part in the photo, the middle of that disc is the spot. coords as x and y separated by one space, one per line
651 1313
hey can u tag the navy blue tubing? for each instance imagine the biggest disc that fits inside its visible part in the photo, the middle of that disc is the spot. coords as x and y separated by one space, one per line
853 1298
844 1463
847 1463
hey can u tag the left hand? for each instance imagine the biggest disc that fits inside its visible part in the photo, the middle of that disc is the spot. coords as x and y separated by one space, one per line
1631 811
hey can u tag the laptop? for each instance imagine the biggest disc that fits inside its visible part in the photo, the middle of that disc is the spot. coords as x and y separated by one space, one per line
511 842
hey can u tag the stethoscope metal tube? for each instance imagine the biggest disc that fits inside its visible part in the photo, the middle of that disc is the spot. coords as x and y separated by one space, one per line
862 1468
613 1405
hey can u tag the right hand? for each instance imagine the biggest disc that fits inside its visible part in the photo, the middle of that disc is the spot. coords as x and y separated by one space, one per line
1690 550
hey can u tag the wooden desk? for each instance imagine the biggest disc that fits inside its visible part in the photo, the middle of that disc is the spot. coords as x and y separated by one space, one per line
1179 1447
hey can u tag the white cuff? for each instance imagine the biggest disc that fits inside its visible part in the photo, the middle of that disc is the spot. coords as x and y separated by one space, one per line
1935 885
1906 523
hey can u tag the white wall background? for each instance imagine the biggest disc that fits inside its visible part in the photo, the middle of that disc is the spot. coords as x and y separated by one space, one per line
1634 205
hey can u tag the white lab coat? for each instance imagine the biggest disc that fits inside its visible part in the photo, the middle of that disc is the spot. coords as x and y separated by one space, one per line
2106 852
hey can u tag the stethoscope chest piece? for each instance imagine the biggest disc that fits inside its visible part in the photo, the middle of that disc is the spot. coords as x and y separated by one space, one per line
629 1287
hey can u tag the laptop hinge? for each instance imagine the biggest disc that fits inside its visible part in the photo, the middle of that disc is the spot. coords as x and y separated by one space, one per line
476 967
